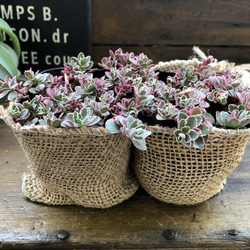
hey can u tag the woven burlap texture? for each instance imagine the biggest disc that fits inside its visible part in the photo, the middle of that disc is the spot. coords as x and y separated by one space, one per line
86 166
174 173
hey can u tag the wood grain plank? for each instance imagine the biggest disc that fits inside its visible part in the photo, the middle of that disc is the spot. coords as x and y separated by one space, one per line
140 222
171 22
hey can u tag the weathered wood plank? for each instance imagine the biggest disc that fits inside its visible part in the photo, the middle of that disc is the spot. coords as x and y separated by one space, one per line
141 222
168 22
239 55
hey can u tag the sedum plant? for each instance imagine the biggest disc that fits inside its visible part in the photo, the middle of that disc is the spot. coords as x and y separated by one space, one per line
77 98
128 96
193 100
197 99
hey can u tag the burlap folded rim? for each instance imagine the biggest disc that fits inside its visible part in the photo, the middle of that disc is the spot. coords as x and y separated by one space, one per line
85 166
171 172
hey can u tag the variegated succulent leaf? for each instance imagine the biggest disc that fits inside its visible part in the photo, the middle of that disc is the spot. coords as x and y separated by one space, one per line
191 97
139 65
9 89
223 82
205 63
130 127
108 63
143 94
108 97
184 76
100 109
128 106
218 96
20 114
80 119
235 118
165 92
243 96
166 111
36 81
51 120
210 118
86 88
193 128
70 102
79 64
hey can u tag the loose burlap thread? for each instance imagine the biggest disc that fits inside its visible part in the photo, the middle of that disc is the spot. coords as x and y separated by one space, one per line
86 166
171 172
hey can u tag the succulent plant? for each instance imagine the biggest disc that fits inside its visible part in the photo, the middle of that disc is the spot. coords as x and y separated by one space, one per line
51 120
198 98
19 113
193 128
190 96
78 65
131 128
9 89
236 117
80 119
166 111
193 100
77 98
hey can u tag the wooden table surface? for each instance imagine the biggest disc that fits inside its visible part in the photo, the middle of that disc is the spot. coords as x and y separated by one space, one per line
223 222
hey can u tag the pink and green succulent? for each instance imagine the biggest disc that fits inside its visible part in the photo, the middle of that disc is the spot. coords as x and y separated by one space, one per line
131 128
193 128
235 117
194 99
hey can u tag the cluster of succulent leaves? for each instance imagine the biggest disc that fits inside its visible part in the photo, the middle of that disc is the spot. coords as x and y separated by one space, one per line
197 99
76 98
194 98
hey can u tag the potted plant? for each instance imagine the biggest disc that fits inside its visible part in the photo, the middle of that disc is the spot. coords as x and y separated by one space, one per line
197 129
177 126
9 54
60 123
199 120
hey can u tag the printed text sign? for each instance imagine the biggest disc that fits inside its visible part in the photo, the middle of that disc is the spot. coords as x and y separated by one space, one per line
49 31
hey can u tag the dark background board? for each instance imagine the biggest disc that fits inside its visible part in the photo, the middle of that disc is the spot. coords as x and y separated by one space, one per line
162 29
167 29
49 31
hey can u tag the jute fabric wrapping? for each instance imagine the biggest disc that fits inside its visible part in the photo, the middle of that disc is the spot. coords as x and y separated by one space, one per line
174 173
171 172
85 166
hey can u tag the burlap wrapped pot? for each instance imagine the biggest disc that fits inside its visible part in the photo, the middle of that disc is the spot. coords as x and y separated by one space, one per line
85 166
174 173
171 172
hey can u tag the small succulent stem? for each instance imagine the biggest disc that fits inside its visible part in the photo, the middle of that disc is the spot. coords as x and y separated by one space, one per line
117 97
24 96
